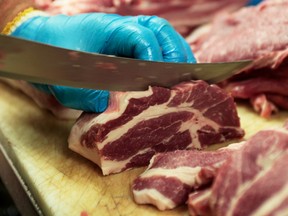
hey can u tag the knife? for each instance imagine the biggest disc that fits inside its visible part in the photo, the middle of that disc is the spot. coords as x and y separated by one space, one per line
41 63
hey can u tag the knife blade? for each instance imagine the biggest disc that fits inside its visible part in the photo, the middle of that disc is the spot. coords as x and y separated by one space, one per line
41 63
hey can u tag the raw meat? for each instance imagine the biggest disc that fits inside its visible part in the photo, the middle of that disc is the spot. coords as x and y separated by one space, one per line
252 181
248 178
255 179
137 125
247 31
198 202
171 176
183 14
250 33
265 93
44 100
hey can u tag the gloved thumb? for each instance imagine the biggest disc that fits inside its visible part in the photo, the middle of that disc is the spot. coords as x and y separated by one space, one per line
82 99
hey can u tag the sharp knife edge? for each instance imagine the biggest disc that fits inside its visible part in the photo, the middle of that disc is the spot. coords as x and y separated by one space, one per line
40 63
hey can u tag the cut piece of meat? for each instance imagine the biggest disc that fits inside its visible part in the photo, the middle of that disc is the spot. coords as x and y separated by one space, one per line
183 14
265 93
44 100
255 179
137 125
265 88
248 178
280 100
252 181
255 86
246 34
171 176
198 202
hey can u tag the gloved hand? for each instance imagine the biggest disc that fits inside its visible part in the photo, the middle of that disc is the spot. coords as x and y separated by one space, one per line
142 37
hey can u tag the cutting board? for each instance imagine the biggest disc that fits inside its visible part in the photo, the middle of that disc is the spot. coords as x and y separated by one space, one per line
64 183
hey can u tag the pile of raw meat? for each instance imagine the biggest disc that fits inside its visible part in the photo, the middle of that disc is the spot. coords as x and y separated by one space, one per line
184 15
248 178
258 33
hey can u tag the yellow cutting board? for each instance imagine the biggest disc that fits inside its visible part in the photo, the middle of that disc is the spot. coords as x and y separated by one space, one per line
64 183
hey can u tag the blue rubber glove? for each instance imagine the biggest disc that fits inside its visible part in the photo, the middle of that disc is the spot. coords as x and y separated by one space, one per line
142 37
254 2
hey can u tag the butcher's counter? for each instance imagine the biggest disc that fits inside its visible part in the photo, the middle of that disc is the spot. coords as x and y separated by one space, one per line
45 177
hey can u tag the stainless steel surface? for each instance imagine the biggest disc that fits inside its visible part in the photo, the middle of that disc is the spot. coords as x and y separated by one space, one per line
35 62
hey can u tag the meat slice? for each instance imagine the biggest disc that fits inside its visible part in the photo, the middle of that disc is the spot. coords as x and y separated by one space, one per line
255 179
137 125
251 181
44 100
267 94
248 178
183 14
171 176
246 34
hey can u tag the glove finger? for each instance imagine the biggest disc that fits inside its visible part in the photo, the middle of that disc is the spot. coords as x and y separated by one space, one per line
172 46
188 50
81 99
134 41
146 46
